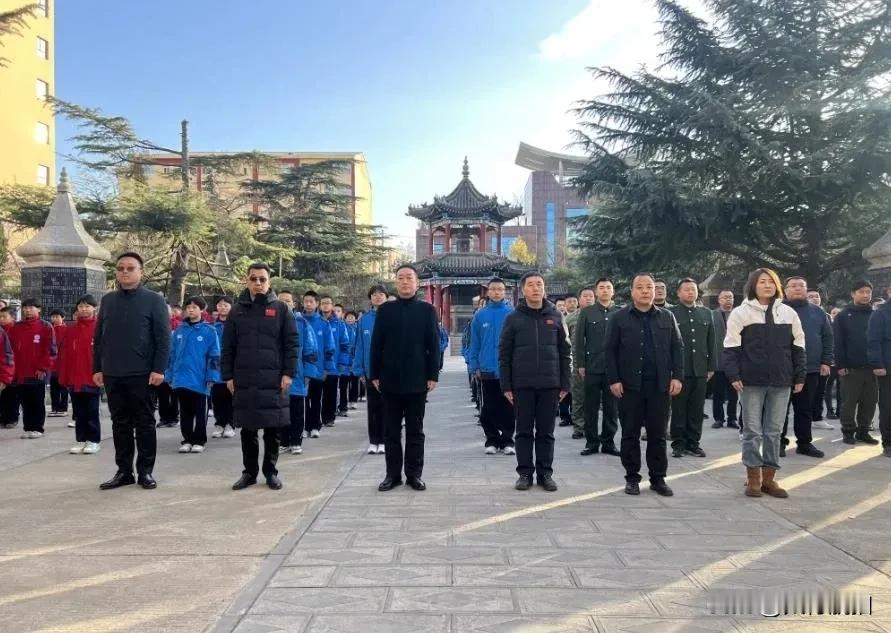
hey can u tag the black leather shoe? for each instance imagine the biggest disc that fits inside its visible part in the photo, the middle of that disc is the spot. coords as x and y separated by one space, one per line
388 484
731 424
547 483
244 481
717 424
809 449
578 435
523 483
848 438
866 438
147 481
632 488
590 450
676 452
119 479
565 423
661 488
695 452
782 450
610 450
416 483
274 482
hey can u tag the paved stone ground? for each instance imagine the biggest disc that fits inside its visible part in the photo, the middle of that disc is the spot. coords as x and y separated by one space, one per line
473 555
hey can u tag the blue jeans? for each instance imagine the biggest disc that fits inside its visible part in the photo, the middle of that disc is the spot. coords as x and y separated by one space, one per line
763 414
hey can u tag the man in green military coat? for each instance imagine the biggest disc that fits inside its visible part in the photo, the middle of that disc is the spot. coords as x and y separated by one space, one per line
590 364
586 298
700 361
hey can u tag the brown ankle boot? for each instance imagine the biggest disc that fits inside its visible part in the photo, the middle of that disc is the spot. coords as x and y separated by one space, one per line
753 482
769 486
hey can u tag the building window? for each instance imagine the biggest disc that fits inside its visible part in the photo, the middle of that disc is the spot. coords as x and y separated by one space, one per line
42 175
551 223
41 89
43 8
573 223
506 244
41 133
42 48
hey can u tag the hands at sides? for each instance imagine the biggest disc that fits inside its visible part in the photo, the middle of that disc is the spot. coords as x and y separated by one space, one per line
617 390
675 387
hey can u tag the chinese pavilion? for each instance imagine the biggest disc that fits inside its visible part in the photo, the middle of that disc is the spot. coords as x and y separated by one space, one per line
464 249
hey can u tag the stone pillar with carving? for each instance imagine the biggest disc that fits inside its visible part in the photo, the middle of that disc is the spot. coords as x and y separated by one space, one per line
62 262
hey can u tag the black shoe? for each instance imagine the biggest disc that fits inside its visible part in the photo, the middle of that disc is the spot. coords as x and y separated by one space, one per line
717 424
147 481
731 424
119 479
782 450
416 483
547 483
577 435
565 423
661 488
832 416
161 424
342 414
244 481
328 424
524 482
677 452
886 451
848 438
632 488
809 449
866 438
388 484
590 450
274 482
695 452
609 449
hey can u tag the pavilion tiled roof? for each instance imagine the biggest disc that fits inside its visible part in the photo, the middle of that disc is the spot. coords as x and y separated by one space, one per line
470 265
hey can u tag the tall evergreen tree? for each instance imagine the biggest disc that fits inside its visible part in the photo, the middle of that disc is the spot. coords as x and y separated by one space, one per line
762 140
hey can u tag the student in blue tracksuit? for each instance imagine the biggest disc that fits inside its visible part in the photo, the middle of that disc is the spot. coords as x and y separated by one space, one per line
344 360
341 347
362 368
307 354
220 396
323 366
193 366
351 318
443 344
497 415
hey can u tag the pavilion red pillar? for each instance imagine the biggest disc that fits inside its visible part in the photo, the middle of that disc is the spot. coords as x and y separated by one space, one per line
437 300
428 293
499 239
483 248
448 239
430 245
447 308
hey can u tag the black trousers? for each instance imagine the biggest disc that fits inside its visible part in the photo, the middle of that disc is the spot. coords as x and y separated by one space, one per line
564 408
686 414
860 394
221 398
354 389
192 416
58 396
329 399
833 384
647 408
362 388
497 416
802 404
33 399
168 407
723 392
132 422
817 412
9 404
410 408
343 387
534 409
597 394
293 435
85 407
250 451
375 416
314 404
885 409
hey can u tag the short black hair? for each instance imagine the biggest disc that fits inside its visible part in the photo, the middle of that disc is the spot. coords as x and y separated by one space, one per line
225 298
260 266
686 280
311 293
132 254
31 301
857 285
376 288
650 275
88 299
529 275
603 280
570 296
349 312
338 305
198 301
586 288
6 310
409 266
285 291
793 278
329 297
57 311
497 280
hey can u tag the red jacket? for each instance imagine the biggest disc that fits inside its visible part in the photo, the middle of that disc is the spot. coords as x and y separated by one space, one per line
59 332
75 362
7 369
34 349
174 323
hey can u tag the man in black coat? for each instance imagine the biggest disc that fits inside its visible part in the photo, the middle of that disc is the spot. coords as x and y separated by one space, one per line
404 368
259 356
130 349
644 366
533 360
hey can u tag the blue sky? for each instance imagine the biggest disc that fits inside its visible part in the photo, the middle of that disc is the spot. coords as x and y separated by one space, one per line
416 85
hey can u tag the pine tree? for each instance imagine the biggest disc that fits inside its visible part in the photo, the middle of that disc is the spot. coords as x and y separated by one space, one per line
763 140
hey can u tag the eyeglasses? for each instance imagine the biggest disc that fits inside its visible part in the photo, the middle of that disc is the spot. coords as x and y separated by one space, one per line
259 280
127 269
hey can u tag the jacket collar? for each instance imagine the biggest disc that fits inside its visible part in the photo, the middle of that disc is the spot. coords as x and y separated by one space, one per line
245 297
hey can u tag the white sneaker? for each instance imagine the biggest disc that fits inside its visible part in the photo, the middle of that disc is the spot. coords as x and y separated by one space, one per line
296 450
92 448
491 450
822 424
283 449
27 435
314 433
381 449
185 448
78 448
217 431
228 431
305 434
509 450
36 434
372 449
71 424
197 448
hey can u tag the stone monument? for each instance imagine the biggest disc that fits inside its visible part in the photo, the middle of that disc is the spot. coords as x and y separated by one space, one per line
62 262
